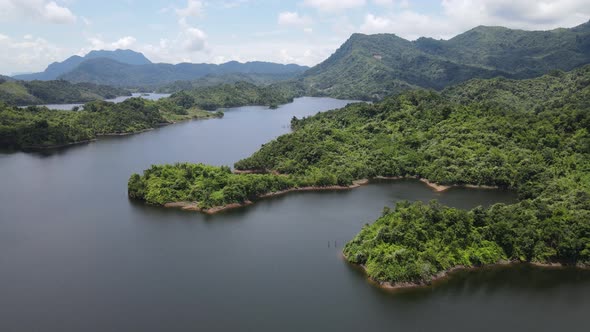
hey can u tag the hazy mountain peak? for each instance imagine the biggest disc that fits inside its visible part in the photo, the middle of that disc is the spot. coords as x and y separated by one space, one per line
124 56
56 69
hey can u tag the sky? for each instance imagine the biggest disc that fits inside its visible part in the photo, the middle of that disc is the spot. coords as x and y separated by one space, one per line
35 33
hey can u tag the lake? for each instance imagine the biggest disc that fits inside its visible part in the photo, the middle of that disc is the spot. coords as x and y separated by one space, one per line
68 107
77 255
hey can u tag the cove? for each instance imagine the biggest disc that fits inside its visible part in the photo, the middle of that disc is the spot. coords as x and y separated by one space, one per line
76 254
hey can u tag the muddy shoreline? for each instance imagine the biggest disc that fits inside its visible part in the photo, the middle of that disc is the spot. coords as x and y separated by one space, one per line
444 275
193 206
435 186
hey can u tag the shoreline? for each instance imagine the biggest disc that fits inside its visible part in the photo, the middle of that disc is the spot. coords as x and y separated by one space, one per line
193 206
436 186
98 136
446 274
57 146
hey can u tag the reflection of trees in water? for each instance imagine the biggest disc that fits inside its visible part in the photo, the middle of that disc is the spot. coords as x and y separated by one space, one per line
518 278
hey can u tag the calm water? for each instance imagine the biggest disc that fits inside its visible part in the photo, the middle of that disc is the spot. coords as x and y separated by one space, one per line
77 255
149 96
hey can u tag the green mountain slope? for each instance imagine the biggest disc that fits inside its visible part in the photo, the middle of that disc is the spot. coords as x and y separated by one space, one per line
236 94
213 80
374 66
55 92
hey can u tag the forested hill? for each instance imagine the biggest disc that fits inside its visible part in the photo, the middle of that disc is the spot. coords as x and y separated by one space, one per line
469 135
232 78
523 95
542 151
15 92
237 94
375 66
110 72
5 78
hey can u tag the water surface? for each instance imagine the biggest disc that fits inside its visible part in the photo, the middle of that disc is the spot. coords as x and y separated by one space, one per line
77 255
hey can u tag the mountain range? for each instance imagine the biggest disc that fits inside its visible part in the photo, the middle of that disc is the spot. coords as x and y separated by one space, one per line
373 66
56 69
367 67
133 69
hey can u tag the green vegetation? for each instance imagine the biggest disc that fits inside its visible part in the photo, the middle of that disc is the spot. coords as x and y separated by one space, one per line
212 187
481 133
54 92
40 127
112 72
213 80
370 67
236 94
208 185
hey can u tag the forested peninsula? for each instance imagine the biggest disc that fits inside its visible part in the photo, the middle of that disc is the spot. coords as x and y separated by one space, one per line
238 94
38 127
483 132
23 93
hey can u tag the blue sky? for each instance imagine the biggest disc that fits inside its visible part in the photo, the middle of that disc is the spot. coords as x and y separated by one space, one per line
34 33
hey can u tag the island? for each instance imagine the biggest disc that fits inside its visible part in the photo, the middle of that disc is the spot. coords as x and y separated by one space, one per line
484 132
37 127
22 93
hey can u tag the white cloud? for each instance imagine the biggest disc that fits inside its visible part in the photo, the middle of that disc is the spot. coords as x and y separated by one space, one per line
38 10
384 3
190 39
391 4
410 25
460 15
194 40
234 4
125 42
526 14
97 43
57 14
86 21
193 8
293 19
27 54
334 5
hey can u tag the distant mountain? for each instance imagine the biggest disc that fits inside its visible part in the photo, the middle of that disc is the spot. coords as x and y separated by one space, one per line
56 69
54 92
111 72
5 79
373 66
212 80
